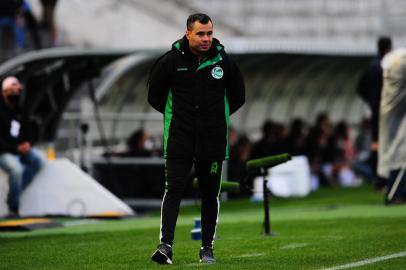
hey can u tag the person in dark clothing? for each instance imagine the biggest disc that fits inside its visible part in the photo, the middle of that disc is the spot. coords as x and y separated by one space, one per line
273 141
240 153
8 26
48 21
10 8
263 147
136 145
17 156
319 150
370 83
31 25
370 88
15 18
296 141
197 86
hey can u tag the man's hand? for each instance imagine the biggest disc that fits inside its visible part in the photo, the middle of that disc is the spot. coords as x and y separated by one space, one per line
24 147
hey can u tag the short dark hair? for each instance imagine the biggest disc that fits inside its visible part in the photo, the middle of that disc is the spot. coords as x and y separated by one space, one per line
200 17
384 45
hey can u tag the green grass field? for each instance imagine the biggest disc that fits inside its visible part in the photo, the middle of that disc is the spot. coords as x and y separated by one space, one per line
329 228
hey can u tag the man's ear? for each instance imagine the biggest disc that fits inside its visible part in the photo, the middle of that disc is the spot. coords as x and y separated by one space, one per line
187 34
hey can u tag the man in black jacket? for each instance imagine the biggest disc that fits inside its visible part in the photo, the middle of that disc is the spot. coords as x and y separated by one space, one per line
17 157
370 88
197 87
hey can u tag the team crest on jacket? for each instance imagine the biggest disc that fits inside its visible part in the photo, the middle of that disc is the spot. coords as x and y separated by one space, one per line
217 72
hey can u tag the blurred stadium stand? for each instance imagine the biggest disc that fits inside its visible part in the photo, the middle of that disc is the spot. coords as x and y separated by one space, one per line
256 24
299 58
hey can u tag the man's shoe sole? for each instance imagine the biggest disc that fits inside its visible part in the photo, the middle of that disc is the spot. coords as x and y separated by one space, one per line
161 258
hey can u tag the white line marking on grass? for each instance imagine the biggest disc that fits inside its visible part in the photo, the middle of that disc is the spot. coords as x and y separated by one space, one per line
199 264
368 261
295 245
250 255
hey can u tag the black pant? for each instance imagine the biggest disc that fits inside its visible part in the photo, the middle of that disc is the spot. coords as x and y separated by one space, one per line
209 178
400 193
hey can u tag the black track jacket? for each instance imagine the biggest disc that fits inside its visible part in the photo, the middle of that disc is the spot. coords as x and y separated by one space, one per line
196 99
10 129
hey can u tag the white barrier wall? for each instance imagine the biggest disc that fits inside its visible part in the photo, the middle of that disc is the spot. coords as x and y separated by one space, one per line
3 193
61 188
290 179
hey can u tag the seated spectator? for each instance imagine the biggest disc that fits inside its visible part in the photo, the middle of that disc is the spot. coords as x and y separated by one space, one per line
263 147
273 141
281 140
239 154
362 165
318 151
138 145
17 156
296 140
344 156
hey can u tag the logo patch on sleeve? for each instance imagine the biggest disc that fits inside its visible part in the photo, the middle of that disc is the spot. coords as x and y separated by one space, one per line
217 72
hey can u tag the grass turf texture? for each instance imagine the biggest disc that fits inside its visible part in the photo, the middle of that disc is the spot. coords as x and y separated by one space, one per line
328 228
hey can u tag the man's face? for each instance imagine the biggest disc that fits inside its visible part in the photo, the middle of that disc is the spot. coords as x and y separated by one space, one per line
13 87
200 37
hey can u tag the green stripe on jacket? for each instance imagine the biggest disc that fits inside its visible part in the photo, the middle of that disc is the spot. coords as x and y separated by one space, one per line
167 120
227 117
